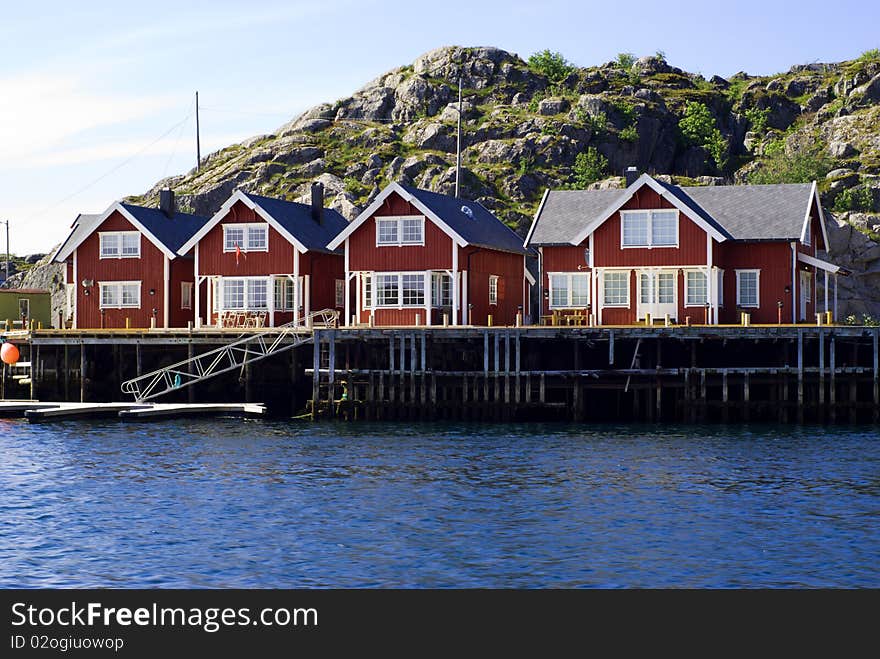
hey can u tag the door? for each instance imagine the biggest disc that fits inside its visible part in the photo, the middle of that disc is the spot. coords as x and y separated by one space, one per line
806 292
657 294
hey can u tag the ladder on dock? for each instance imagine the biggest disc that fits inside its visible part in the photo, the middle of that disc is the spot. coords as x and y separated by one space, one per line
235 355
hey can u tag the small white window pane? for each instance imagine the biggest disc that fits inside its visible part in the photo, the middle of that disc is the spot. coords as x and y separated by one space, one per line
635 229
387 292
664 228
257 238
108 295
387 232
747 289
368 292
645 286
413 290
256 293
340 293
580 290
130 295
696 288
493 289
110 244
234 237
412 230
666 288
233 294
131 244
616 289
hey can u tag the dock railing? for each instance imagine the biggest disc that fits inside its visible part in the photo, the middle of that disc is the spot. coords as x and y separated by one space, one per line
251 348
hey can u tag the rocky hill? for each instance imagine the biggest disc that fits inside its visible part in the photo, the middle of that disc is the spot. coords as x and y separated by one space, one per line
542 122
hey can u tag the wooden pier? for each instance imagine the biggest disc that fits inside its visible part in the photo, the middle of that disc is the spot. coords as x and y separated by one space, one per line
781 373
36 411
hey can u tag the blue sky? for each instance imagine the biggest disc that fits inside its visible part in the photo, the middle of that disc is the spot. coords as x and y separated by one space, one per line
96 98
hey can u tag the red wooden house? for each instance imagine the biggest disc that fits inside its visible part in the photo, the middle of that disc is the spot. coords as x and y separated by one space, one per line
692 254
267 259
123 268
413 257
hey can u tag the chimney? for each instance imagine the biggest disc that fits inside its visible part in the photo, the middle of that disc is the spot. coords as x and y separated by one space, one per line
166 202
318 202
631 174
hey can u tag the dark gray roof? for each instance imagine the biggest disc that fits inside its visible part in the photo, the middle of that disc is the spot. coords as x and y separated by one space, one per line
172 231
82 226
481 228
740 212
297 219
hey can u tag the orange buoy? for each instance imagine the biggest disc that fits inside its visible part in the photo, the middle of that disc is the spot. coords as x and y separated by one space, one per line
9 353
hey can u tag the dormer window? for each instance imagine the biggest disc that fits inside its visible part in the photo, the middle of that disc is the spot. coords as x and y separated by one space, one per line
398 231
247 237
120 244
650 228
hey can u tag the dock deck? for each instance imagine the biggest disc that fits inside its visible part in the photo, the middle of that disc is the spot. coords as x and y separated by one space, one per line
37 411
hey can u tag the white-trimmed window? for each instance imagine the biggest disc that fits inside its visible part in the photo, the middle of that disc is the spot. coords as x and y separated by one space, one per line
615 289
252 237
695 291
368 290
747 288
120 244
284 290
441 289
397 289
397 231
569 290
493 289
649 228
340 293
186 295
120 294
245 293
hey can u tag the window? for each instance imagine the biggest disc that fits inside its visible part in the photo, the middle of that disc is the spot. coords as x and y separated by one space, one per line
493 289
616 289
256 294
186 295
569 290
387 293
284 289
120 244
413 289
247 237
120 294
695 288
657 228
747 288
24 307
441 289
368 291
233 293
340 292
407 230
719 288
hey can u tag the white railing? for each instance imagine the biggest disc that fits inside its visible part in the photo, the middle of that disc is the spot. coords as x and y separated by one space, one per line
237 354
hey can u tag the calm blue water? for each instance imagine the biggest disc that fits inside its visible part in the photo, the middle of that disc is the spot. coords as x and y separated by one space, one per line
232 503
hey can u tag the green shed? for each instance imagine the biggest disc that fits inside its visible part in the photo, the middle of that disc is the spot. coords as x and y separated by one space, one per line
25 304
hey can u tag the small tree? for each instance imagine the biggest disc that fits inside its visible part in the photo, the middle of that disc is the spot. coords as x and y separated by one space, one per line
698 129
626 60
552 65
589 166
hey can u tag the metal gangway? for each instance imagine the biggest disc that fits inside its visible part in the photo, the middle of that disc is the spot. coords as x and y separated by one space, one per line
235 355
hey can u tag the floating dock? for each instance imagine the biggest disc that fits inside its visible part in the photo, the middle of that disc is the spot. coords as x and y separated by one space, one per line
37 411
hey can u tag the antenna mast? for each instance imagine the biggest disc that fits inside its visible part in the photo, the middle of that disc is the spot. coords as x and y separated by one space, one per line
458 143
198 146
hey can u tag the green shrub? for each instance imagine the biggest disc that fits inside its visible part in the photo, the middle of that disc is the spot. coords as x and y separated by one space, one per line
525 165
626 60
803 166
552 65
589 166
698 129
757 119
597 124
859 198
629 134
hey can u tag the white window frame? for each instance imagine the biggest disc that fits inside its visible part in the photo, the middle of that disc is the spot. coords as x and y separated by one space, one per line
246 294
119 253
569 295
650 215
186 295
284 289
339 291
493 289
400 220
687 288
441 290
120 287
615 305
757 302
399 304
367 282
246 237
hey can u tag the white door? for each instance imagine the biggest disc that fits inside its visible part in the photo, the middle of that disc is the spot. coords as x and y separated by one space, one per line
806 292
658 294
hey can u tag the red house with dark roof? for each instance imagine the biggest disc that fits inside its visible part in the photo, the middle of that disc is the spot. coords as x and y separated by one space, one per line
690 254
266 258
414 257
123 267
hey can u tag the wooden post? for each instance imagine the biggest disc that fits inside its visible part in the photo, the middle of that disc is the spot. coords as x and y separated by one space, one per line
746 396
518 385
800 393
724 397
821 409
412 369
876 340
67 372
331 372
190 391
316 372
542 389
82 372
832 393
610 347
35 370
